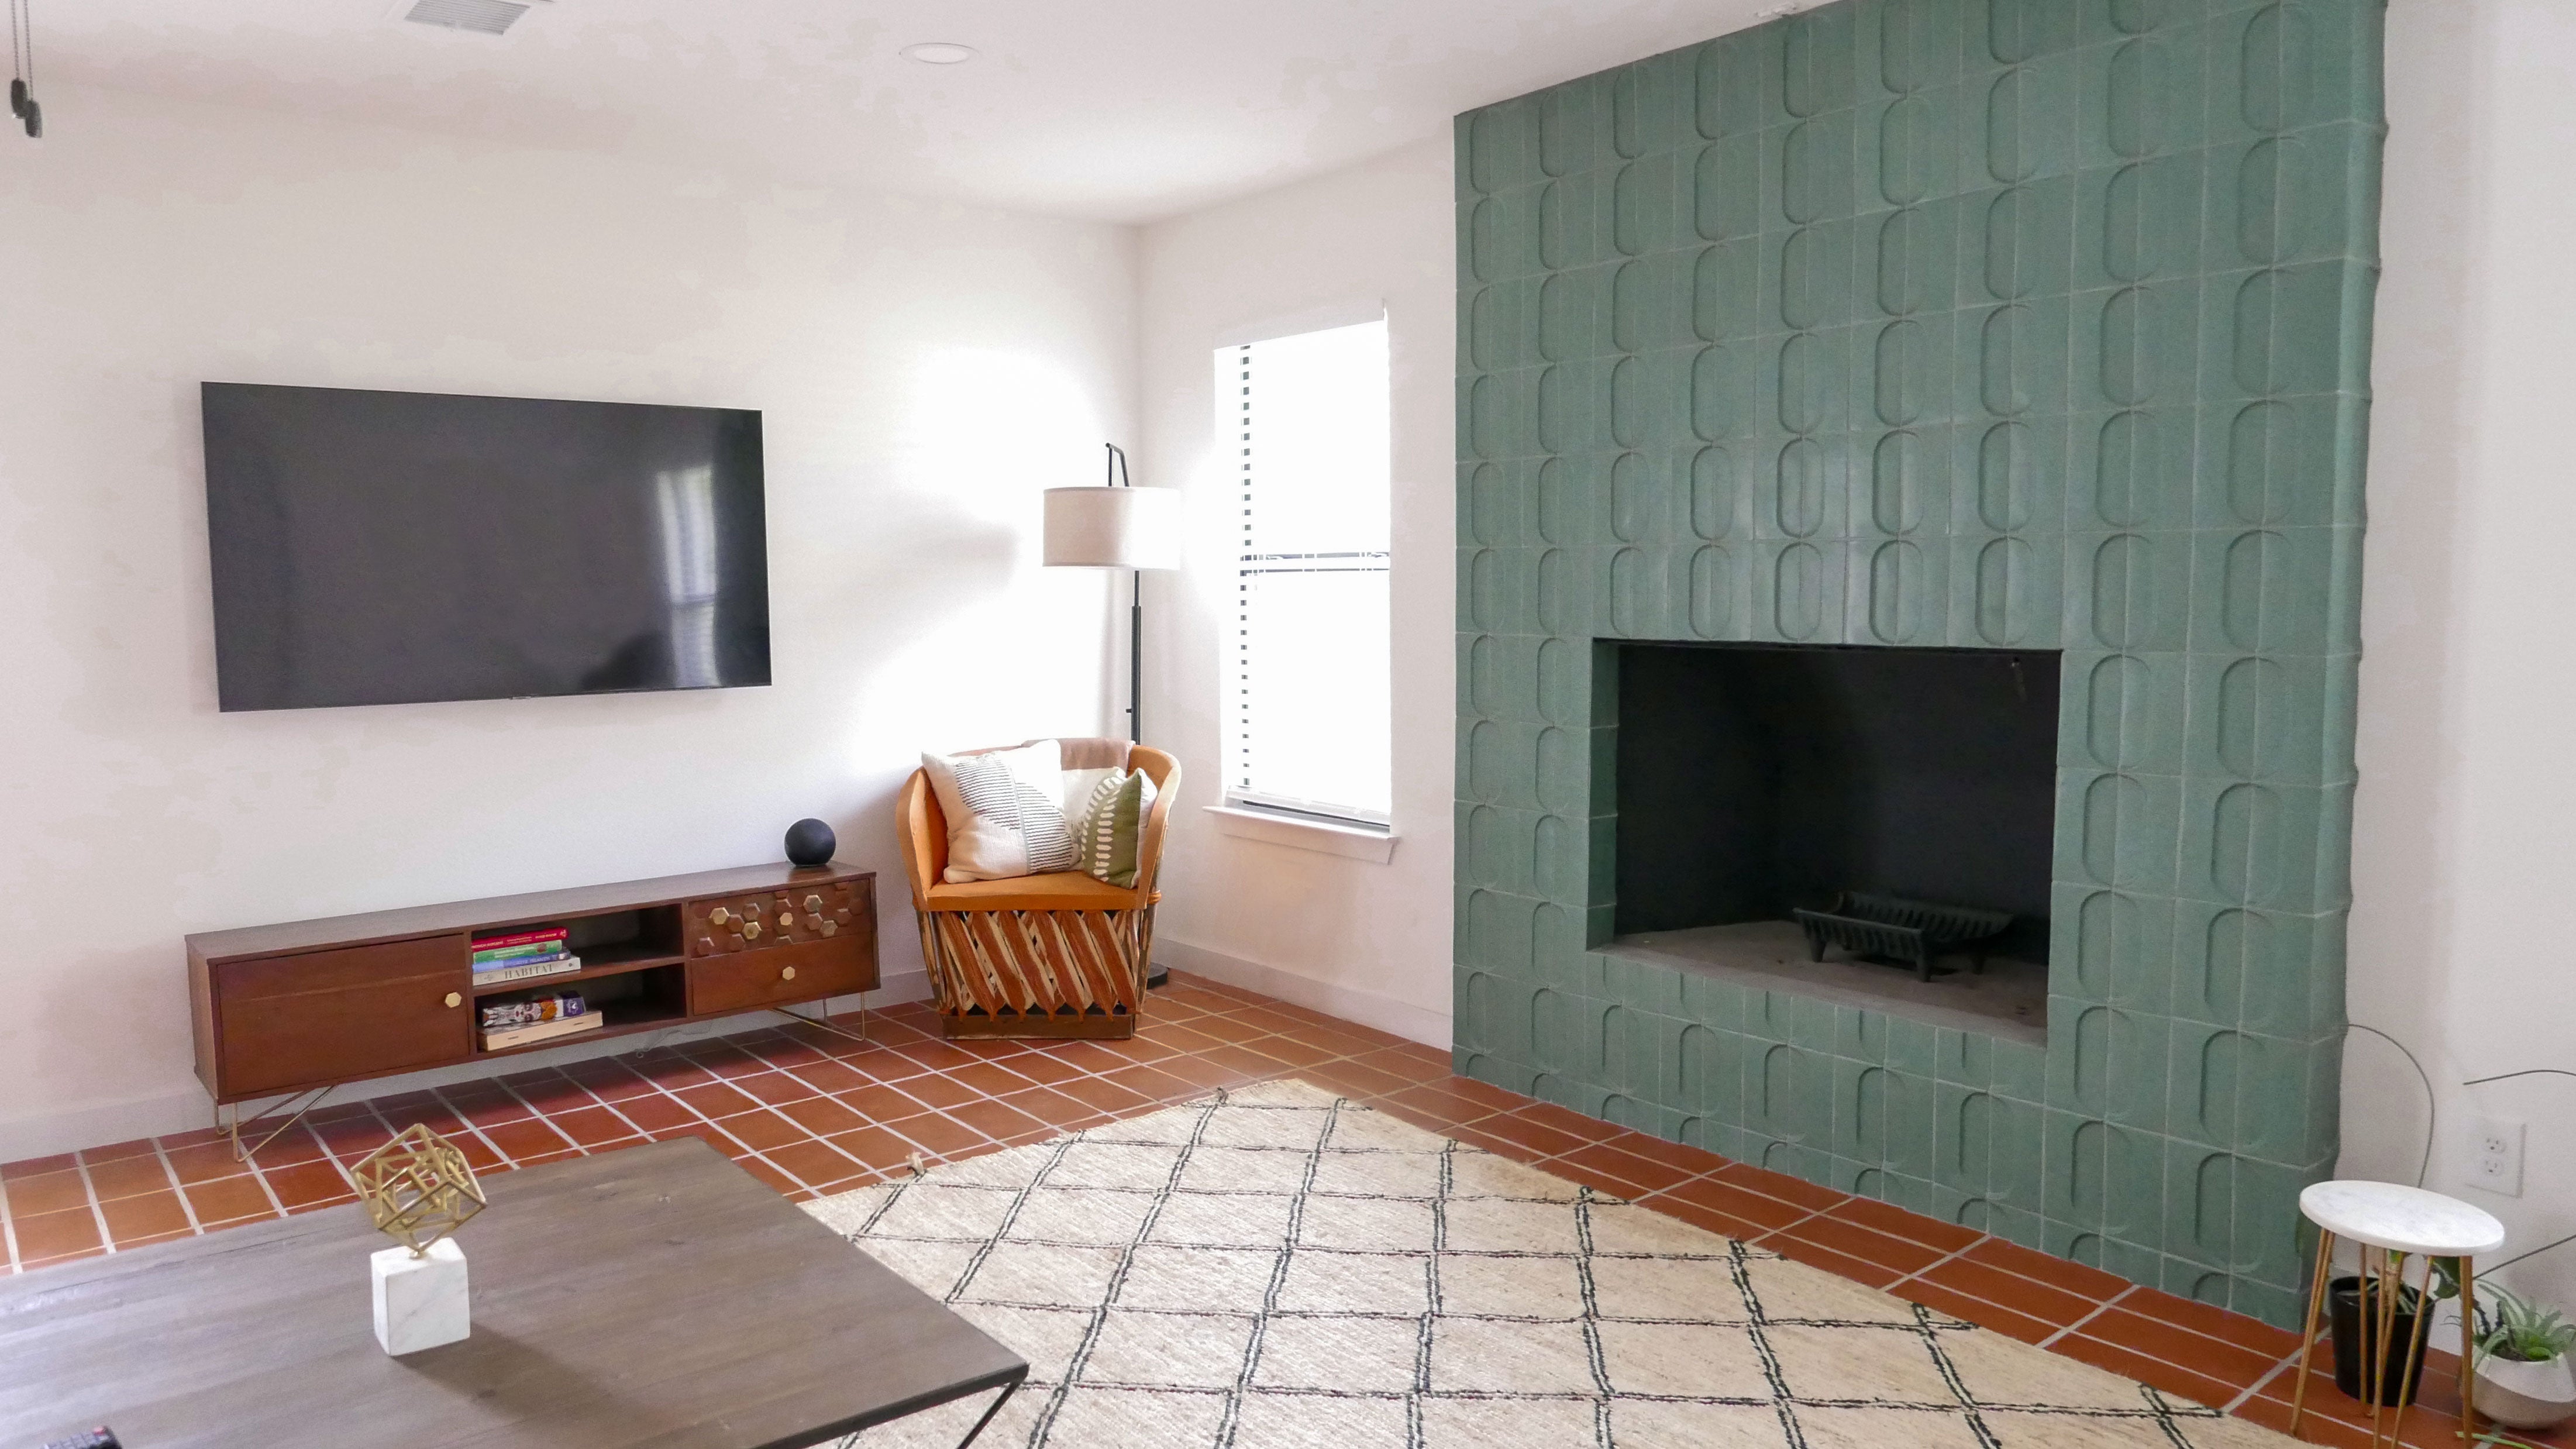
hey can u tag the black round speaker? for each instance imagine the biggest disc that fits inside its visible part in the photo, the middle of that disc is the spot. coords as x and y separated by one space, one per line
810 842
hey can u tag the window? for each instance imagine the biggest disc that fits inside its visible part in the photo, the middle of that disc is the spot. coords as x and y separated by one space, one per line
1303 421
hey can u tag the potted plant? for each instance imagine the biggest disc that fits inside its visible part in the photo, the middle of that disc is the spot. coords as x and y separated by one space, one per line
2524 1380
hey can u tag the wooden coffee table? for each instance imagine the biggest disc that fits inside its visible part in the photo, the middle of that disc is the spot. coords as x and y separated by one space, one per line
658 1295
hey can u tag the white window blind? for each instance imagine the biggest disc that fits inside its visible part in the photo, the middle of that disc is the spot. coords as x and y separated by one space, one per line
1304 421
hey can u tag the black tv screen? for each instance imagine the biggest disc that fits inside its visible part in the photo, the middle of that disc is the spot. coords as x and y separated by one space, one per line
397 547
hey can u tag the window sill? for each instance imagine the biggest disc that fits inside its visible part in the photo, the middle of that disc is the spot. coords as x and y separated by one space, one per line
1359 842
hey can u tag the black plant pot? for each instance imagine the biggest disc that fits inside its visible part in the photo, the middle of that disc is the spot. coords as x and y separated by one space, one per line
2356 1344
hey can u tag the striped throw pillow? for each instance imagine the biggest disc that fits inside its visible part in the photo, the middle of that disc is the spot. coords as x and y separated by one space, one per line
1111 829
1005 817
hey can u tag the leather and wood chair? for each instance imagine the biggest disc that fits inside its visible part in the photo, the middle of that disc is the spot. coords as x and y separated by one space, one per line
1056 955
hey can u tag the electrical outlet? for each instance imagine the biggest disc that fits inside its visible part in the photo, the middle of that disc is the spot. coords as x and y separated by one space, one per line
2495 1156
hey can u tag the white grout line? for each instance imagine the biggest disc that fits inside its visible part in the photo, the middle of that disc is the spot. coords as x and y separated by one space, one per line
2288 1361
2098 1310
98 1214
178 1187
8 1232
1938 1262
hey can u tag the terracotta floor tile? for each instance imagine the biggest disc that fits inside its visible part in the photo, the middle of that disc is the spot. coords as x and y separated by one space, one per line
303 1185
1689 1161
937 1056
822 1116
2323 1429
1399 1062
2215 1358
1050 1108
2250 1334
609 1078
292 1144
138 1147
775 1088
1700 1215
1566 1120
653 1111
432 1114
1850 1239
1427 1121
726 1061
716 1101
2128 1363
223 1199
877 1103
1250 1061
1736 1204
1975 1310
995 1119
2056 1272
940 1091
1983 1281
938 1134
204 1162
1896 1222
354 1137
832 1076
1353 1080
1595 1178
988 1079
479 1154
669 1072
1103 1095
548 1091
37 1166
50 1192
484 1109
708 1133
1529 1135
764 1129
812 1163
52 1235
1185 1039
1153 1083
592 1126
1508 1147
875 1147
1781 1185
1644 1174
1816 1255
126 1176
523 1141
148 1214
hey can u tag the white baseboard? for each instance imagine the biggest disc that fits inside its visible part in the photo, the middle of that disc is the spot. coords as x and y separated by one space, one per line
98 1126
1368 1008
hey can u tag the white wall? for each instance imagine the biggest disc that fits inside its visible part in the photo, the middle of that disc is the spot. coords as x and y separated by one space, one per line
1364 939
2465 831
924 370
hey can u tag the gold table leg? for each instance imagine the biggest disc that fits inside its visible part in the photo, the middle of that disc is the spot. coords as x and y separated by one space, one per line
2308 1324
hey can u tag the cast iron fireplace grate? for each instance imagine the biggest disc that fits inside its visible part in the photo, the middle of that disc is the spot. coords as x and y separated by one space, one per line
1901 931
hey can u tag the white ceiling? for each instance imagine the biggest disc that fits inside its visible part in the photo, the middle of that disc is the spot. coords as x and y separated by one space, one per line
1121 110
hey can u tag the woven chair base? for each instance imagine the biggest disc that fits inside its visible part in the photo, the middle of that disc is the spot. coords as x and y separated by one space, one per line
1066 974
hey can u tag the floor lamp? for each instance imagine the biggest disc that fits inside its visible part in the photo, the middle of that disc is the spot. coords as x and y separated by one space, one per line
1119 526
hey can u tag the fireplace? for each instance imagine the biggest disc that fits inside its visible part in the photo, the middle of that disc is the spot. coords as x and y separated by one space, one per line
1756 781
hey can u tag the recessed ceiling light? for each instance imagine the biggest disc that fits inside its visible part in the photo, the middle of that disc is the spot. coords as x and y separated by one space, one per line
939 52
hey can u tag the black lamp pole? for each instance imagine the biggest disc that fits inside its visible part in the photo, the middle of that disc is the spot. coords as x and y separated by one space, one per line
1117 466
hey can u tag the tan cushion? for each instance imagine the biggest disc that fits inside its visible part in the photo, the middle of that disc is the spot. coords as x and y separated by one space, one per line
1063 890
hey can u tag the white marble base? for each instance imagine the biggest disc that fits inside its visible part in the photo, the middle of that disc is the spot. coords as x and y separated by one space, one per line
420 1302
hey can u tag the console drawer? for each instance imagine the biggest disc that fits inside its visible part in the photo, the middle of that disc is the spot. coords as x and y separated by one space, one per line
793 971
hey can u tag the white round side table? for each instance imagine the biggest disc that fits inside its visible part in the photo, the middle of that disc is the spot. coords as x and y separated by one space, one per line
2394 1222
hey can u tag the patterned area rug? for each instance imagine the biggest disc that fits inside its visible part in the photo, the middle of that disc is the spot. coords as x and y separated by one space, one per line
1276 1267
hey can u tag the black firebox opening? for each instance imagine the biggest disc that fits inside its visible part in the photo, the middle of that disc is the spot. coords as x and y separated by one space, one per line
1754 779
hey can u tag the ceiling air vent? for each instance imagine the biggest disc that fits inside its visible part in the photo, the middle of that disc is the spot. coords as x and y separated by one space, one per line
481 17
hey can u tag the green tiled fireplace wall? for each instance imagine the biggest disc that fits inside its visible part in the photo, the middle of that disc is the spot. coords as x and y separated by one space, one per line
2029 323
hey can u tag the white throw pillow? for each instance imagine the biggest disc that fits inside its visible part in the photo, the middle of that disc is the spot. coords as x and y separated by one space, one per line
1005 812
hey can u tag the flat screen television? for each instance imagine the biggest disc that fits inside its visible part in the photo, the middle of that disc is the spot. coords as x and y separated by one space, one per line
399 547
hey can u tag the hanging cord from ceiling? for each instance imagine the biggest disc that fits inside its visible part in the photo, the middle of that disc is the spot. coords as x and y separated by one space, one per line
22 68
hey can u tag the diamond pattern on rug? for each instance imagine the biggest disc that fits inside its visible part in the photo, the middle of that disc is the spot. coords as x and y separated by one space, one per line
1275 1266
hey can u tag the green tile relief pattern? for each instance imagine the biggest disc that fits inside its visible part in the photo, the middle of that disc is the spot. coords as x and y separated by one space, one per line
2032 323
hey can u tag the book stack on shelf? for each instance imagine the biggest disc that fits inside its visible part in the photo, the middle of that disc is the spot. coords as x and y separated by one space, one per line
522 954
522 1020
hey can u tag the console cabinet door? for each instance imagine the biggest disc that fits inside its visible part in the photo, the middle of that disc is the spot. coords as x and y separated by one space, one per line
283 1022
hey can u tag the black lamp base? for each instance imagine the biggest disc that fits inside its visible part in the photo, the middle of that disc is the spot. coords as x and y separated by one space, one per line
1157 976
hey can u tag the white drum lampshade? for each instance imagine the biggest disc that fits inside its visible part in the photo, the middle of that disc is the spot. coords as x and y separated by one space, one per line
1113 528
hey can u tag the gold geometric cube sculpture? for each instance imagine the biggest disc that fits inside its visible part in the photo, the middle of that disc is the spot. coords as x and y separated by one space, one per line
418 1188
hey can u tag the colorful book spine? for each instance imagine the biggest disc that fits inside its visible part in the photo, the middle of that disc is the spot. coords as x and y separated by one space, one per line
521 938
553 1006
551 966
533 948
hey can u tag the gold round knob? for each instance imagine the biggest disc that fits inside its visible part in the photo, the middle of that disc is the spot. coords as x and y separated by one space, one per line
751 930
787 973
719 915
455 1000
